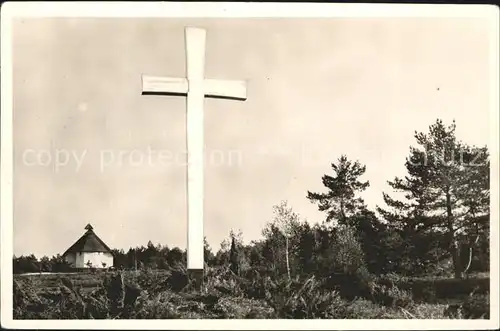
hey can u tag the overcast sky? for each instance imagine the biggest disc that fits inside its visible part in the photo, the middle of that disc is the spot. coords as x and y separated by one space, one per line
317 88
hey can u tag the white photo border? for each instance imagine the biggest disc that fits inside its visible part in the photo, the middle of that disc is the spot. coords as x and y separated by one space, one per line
11 10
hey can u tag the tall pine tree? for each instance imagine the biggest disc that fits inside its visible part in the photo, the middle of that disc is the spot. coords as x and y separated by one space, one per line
344 206
341 201
446 194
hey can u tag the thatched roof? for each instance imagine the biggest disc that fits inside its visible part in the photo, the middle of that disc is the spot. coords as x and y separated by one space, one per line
89 242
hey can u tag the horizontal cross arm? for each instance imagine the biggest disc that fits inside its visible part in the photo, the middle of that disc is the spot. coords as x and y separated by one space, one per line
217 88
152 84
231 89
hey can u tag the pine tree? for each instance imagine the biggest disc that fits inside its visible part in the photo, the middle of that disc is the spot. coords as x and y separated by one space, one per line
208 255
341 201
307 248
233 256
373 238
446 193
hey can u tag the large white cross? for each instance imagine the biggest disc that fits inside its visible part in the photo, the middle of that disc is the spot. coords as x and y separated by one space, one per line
196 87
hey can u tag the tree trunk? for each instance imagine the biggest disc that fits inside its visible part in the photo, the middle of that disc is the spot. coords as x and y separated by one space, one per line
453 247
287 261
457 264
342 212
466 269
470 249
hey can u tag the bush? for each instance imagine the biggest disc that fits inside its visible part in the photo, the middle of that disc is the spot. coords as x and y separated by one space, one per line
348 253
363 309
28 304
389 295
432 289
351 286
230 307
477 306
224 281
115 292
150 294
473 307
308 300
157 307
178 279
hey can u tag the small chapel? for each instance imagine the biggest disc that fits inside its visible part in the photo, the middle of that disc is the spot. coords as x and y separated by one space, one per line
89 252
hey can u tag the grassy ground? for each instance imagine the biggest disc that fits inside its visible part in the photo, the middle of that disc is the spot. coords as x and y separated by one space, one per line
169 294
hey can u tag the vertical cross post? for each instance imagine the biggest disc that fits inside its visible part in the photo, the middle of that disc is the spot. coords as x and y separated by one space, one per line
195 59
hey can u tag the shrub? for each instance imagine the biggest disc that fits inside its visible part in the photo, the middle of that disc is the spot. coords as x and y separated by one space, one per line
432 289
390 295
351 286
476 306
231 307
256 285
224 281
153 294
157 307
28 304
178 278
293 299
348 253
96 306
115 292
363 309
71 304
